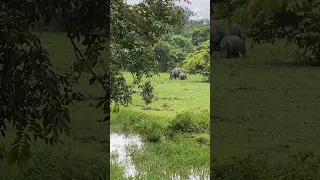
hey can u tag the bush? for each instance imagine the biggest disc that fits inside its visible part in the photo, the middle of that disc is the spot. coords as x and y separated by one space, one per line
151 129
198 62
188 122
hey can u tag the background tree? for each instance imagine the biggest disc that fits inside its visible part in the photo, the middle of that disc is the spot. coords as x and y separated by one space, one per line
198 62
172 49
200 35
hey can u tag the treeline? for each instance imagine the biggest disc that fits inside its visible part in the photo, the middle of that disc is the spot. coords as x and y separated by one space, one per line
186 47
173 49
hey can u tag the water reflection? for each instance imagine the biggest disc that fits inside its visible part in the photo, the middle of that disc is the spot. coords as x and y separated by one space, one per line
119 144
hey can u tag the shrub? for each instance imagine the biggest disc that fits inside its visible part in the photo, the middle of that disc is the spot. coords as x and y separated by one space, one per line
188 122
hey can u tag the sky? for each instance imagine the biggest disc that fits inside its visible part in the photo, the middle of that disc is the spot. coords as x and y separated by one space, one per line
202 7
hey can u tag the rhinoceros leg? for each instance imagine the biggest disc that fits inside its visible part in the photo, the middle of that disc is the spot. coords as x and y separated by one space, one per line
238 46
244 53
230 53
235 54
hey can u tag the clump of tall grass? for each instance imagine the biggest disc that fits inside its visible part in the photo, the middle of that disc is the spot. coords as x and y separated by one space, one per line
155 128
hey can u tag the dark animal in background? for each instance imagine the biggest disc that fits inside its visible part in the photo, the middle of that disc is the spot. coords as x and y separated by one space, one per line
235 30
175 73
183 76
217 33
230 46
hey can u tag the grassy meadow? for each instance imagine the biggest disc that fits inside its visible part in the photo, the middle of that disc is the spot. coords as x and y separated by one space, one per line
174 128
265 116
84 155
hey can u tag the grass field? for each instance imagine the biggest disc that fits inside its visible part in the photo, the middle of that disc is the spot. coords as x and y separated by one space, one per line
265 107
177 106
84 154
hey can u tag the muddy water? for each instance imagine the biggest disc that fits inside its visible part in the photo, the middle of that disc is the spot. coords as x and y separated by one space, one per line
119 144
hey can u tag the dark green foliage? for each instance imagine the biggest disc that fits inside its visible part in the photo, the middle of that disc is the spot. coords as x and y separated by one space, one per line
200 35
31 96
146 93
174 48
300 27
198 62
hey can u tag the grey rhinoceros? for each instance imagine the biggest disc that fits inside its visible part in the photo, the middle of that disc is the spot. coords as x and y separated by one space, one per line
230 46
218 30
174 73
183 76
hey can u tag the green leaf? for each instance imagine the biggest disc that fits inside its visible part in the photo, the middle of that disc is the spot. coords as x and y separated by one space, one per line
100 103
92 80
78 67
86 66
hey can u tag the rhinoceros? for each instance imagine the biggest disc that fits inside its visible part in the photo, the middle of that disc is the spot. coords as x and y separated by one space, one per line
183 76
230 46
218 32
175 73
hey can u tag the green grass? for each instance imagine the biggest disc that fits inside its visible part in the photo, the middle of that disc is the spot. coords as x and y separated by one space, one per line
85 154
266 107
174 128
174 96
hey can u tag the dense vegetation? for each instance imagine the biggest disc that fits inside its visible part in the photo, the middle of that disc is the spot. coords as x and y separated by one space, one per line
173 48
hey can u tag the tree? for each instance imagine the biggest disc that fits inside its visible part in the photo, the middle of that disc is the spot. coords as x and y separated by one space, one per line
136 30
173 48
200 35
34 99
164 57
198 62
